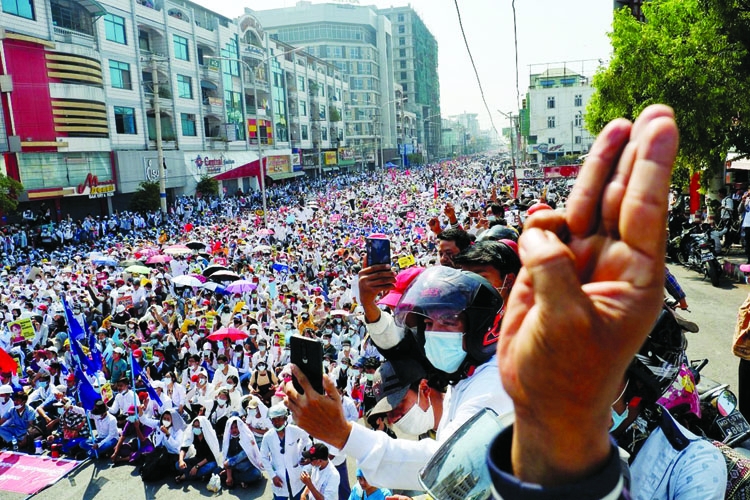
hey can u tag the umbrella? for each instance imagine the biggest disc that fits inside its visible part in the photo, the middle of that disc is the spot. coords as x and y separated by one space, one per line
195 245
265 232
339 312
214 287
390 165
186 280
177 250
138 270
199 277
212 269
159 259
241 286
130 262
224 276
262 248
101 260
230 333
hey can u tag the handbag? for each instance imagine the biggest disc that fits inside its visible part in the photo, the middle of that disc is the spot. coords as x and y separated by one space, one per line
214 484
741 342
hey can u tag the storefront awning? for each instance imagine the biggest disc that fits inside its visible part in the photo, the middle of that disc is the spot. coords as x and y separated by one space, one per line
95 9
732 164
285 175
247 170
208 85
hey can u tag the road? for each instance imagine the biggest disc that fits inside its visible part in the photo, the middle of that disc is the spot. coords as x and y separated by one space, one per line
713 309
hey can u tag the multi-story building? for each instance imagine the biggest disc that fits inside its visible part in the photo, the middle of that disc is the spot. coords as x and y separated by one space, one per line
357 41
415 68
552 117
80 81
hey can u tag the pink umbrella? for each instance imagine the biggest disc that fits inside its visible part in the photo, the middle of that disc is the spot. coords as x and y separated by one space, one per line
199 277
159 259
230 333
177 250
265 232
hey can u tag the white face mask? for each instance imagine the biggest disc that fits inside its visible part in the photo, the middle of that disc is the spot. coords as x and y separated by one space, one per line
222 402
167 424
416 421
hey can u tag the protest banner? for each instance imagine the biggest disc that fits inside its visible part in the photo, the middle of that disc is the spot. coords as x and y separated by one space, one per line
404 262
21 330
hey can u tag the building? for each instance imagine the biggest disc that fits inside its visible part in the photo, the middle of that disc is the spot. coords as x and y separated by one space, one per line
80 81
415 68
357 41
552 116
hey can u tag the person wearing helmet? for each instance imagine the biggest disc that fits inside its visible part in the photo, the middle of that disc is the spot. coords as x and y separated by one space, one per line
666 460
281 453
496 261
497 233
454 315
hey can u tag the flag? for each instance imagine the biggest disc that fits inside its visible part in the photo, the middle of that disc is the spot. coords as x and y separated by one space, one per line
280 268
87 395
96 355
74 327
7 363
403 198
435 195
137 372
82 361
515 184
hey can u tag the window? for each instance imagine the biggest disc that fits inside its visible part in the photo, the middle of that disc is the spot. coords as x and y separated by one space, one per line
322 111
403 75
184 87
304 133
578 100
550 122
551 140
400 18
125 120
402 29
144 43
21 8
324 133
300 83
402 64
551 103
181 48
402 40
114 28
188 124
119 73
405 87
579 120
402 52
578 139
303 108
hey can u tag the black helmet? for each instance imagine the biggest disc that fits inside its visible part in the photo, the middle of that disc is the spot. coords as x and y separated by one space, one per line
497 233
658 362
443 290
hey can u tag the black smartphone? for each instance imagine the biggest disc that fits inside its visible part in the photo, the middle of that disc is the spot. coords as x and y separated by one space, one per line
378 251
307 354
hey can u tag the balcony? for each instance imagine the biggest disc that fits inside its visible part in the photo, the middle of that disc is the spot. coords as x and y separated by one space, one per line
65 35
149 9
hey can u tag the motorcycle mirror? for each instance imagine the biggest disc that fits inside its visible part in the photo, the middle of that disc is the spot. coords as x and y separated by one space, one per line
726 403
459 467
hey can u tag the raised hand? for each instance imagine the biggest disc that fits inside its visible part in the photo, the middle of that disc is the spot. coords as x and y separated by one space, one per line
588 293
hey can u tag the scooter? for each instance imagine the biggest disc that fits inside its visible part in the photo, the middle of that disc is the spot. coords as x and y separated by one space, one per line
694 249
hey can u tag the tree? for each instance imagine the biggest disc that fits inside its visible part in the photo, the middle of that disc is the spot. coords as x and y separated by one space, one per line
207 186
683 57
9 191
146 197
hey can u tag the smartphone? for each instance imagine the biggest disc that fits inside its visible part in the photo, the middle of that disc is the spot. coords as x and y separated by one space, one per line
307 354
378 251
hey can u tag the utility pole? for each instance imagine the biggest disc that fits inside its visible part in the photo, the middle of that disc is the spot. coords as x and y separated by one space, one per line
159 149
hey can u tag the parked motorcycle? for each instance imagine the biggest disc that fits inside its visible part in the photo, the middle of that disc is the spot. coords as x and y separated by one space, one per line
694 248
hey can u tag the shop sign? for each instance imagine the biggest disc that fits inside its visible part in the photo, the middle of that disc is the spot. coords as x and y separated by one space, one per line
212 165
277 164
330 158
216 101
95 188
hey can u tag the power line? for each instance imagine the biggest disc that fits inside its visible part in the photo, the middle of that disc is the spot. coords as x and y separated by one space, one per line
476 73
515 42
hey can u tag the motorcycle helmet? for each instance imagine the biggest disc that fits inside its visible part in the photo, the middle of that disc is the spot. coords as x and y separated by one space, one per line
443 291
497 233
658 362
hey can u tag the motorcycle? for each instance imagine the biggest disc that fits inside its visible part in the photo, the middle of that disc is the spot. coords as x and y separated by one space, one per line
694 248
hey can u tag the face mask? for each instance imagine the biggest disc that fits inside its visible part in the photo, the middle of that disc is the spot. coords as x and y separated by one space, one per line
280 428
369 376
60 410
416 421
326 363
18 407
491 218
262 368
197 431
42 385
166 381
202 381
222 402
618 419
346 348
221 366
444 350
132 418
262 348
167 424
231 386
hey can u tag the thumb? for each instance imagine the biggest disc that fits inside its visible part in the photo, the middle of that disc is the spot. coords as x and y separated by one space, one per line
551 268
330 388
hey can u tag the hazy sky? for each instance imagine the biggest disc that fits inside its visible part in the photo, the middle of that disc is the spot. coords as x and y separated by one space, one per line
549 31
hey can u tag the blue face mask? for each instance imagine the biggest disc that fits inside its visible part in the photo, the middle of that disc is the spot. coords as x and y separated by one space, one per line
444 350
197 431
618 419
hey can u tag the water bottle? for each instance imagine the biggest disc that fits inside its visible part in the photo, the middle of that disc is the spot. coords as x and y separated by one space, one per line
15 443
38 446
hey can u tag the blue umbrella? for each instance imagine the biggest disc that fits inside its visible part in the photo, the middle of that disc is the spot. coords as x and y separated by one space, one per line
104 261
390 165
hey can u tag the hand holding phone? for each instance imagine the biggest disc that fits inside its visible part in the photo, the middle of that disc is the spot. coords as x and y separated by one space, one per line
378 251
307 354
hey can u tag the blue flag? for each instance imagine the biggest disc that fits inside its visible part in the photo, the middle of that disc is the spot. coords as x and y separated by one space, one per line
137 372
74 327
280 268
81 360
96 355
87 395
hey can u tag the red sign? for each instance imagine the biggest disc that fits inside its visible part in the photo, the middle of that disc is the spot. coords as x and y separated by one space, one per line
93 186
561 171
29 474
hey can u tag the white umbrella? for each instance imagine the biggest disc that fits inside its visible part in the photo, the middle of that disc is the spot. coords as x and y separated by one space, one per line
186 280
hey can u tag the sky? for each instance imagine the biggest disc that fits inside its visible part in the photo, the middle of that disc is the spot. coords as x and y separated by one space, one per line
549 31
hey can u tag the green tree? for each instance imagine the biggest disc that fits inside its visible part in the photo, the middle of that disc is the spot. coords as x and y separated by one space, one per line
207 186
683 57
146 197
9 191
415 158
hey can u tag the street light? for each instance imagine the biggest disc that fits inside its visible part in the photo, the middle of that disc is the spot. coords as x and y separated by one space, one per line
255 103
402 100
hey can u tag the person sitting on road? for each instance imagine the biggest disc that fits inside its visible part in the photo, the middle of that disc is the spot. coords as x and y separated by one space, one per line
200 455
242 460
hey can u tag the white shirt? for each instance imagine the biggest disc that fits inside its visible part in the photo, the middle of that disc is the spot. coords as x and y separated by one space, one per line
326 481
280 464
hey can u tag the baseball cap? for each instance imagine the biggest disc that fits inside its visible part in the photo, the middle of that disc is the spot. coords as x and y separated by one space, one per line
403 279
316 452
389 389
6 389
